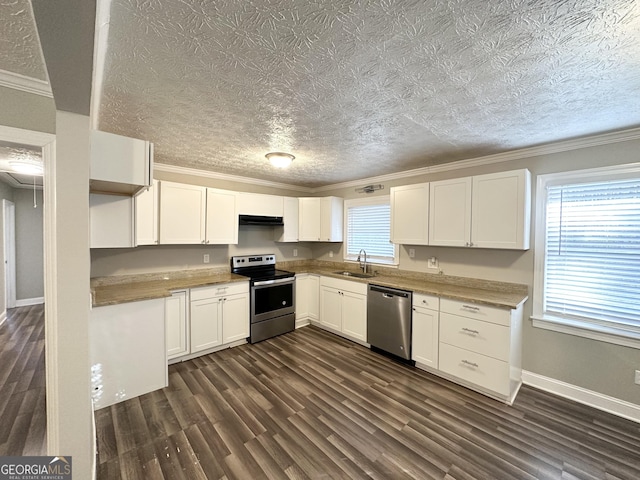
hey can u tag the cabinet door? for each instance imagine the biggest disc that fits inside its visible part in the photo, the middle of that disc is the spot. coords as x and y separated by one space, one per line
309 219
331 219
313 289
182 213
235 318
288 232
146 206
222 219
111 218
302 297
501 214
354 315
450 212
176 324
206 324
331 308
424 337
410 214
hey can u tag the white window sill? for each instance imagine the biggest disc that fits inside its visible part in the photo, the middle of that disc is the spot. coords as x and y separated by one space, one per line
587 330
377 263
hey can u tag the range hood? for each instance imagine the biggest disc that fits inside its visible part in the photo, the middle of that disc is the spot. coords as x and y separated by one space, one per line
260 220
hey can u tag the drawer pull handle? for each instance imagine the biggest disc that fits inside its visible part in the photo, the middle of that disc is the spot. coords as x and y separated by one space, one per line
472 332
469 307
470 364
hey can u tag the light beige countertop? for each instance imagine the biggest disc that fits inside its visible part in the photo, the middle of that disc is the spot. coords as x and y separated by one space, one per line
487 292
131 288
117 289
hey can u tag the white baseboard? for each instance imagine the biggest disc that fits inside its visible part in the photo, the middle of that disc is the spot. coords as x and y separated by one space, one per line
25 302
612 405
3 317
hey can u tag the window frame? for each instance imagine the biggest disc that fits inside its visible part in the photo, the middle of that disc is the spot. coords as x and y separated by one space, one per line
356 202
595 330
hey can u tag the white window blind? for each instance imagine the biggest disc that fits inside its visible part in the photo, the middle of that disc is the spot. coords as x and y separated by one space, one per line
368 227
592 254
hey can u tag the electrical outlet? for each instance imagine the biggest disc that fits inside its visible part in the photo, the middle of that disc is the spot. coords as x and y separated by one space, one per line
637 379
295 252
205 258
432 263
412 253
330 254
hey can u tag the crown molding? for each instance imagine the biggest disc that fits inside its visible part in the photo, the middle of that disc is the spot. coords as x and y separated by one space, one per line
25 84
546 149
163 167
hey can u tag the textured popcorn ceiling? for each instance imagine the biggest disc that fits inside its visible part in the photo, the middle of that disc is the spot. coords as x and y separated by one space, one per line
19 48
355 89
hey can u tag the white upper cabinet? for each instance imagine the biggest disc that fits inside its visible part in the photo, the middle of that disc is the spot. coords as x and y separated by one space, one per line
288 232
259 204
450 212
485 211
410 214
331 219
191 214
309 219
120 164
111 221
501 215
147 212
222 219
182 213
320 219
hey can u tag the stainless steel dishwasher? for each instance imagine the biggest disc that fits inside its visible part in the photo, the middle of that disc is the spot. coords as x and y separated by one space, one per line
389 320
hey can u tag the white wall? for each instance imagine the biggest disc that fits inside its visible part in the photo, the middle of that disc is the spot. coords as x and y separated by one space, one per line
29 245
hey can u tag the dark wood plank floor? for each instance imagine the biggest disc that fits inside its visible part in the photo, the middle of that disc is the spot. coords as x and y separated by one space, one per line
312 405
22 383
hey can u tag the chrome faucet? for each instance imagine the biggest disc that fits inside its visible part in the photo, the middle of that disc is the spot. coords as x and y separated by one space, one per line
363 267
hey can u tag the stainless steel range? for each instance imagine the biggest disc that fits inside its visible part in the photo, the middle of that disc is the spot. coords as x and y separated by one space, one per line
273 294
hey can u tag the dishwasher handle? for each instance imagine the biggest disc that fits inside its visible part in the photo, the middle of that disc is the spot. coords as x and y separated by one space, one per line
389 292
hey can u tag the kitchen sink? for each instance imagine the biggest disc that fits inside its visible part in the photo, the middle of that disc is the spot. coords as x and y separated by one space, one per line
354 274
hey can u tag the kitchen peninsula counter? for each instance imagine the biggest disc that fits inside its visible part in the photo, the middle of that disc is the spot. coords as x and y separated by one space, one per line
113 290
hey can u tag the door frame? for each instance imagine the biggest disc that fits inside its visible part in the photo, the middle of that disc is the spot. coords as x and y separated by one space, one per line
9 248
47 142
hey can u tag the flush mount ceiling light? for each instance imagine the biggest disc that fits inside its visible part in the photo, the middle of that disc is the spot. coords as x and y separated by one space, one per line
280 159
25 167
22 160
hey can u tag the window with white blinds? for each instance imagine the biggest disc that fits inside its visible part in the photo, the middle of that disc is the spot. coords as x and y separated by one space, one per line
368 227
591 268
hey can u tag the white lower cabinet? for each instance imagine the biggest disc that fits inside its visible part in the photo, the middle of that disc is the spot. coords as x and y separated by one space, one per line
205 318
307 298
425 330
127 351
481 345
175 312
343 307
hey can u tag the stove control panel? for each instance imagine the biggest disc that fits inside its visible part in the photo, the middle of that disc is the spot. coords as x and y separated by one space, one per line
245 261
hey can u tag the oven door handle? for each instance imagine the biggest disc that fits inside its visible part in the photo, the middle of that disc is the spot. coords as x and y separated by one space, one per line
273 282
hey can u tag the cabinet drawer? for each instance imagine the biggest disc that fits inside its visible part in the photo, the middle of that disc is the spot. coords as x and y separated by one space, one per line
210 291
426 301
500 316
486 372
475 335
344 285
